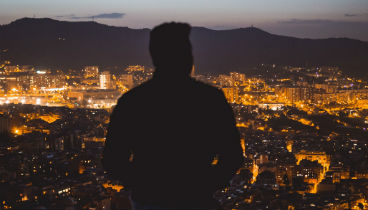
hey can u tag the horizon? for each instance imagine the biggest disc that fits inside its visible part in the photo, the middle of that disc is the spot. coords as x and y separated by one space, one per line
194 26
302 19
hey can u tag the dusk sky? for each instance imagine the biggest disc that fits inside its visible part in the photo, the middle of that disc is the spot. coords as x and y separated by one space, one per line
301 18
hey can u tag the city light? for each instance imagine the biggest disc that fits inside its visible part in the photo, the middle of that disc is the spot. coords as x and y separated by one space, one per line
40 72
305 134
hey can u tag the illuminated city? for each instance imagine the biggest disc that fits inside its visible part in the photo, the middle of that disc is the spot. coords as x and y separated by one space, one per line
121 105
303 131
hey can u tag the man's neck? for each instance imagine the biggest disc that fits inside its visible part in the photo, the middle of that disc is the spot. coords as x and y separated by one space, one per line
170 77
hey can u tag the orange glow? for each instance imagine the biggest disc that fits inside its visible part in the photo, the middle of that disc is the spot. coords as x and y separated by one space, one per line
81 169
114 187
322 158
25 198
242 143
215 160
289 146
50 118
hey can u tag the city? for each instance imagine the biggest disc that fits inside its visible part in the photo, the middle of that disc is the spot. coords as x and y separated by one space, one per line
303 133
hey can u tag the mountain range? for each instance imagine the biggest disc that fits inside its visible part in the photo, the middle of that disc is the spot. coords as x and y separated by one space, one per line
60 44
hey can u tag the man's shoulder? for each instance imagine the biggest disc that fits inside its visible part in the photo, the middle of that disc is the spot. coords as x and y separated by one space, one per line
137 91
208 89
151 87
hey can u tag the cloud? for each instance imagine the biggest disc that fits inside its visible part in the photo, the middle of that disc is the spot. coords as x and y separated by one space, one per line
323 28
115 15
351 15
306 21
65 16
322 22
107 16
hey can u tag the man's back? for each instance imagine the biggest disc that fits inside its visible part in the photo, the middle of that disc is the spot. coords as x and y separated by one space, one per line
172 140
175 130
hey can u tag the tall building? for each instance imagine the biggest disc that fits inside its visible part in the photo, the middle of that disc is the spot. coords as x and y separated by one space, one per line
126 80
47 80
225 80
90 71
237 77
11 69
231 94
296 94
105 80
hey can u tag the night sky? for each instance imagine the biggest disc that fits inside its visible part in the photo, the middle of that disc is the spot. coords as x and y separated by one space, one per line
301 18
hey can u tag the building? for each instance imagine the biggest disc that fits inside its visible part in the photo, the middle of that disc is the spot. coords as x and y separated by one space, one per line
126 80
103 98
11 69
105 80
90 71
46 80
135 68
232 94
237 77
321 157
327 88
297 94
225 80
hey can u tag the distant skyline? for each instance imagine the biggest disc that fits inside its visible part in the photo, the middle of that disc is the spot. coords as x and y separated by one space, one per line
302 18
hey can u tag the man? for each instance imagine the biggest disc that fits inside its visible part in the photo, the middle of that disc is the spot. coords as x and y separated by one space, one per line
172 140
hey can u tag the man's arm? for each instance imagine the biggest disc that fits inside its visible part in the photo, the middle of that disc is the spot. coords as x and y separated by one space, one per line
230 152
117 149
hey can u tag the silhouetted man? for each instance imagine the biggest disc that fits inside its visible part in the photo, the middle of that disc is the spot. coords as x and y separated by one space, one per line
172 140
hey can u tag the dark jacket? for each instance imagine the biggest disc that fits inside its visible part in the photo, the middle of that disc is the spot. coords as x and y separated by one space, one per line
162 138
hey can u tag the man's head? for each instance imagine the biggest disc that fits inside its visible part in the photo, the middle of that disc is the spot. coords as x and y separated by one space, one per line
170 49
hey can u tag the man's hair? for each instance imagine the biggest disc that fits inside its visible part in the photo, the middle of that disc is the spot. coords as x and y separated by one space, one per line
171 49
